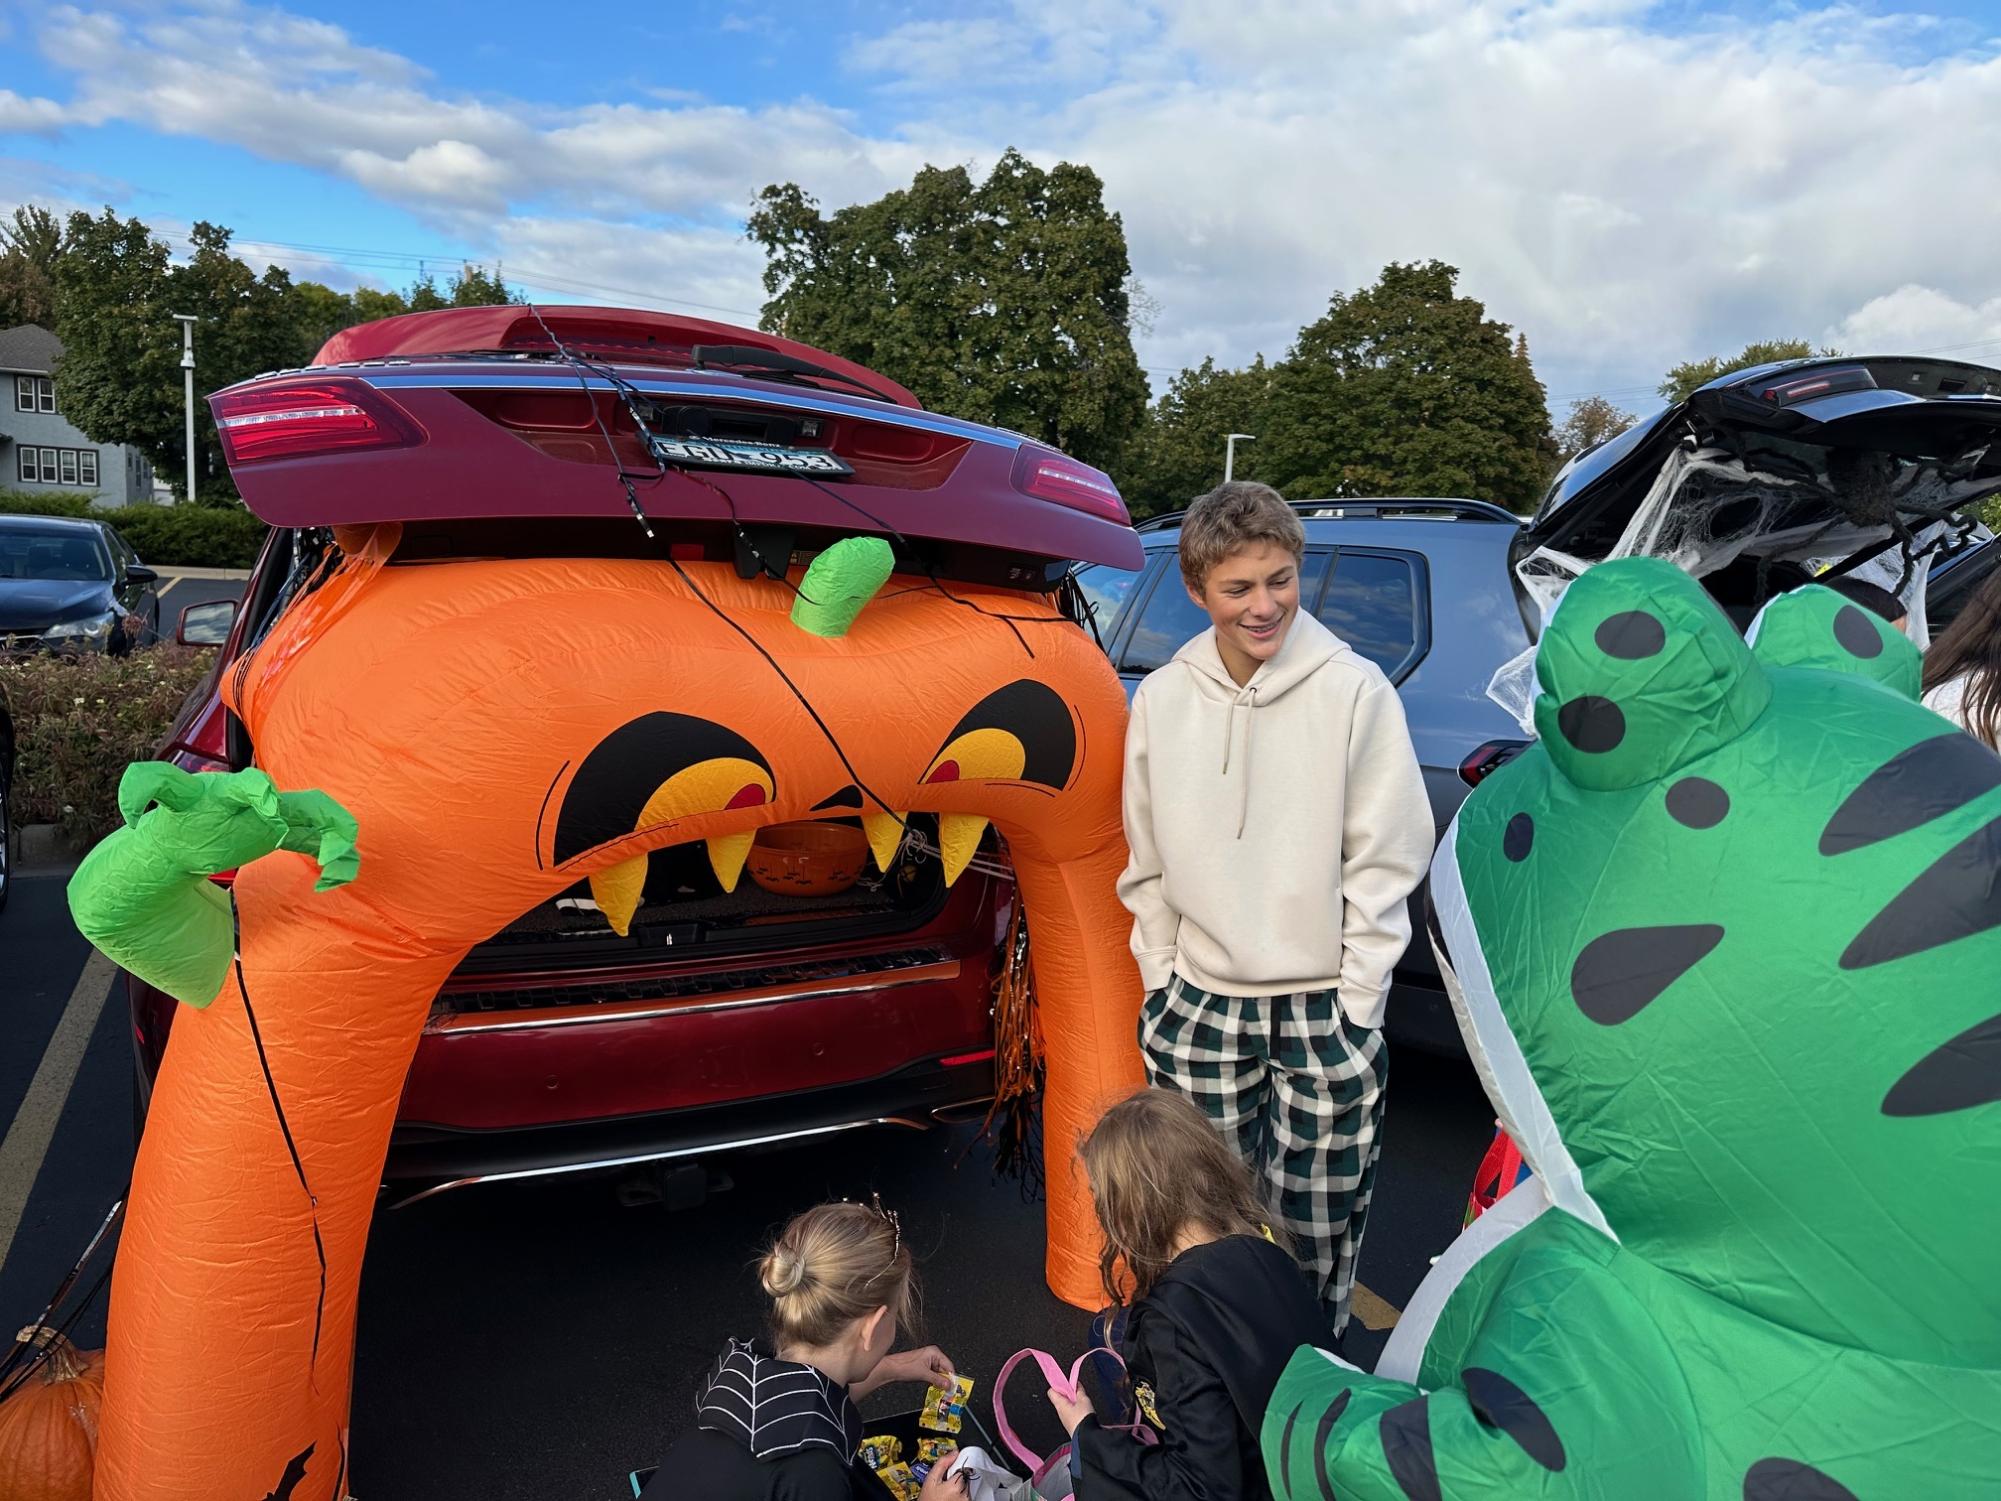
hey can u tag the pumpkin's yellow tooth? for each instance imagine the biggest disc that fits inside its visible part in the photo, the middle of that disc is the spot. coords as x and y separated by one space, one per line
959 835
617 892
727 852
885 837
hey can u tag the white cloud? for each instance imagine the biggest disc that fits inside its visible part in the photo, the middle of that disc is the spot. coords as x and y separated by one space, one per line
1629 192
1916 317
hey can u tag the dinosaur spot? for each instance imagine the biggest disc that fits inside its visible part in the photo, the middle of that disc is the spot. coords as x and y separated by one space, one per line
1632 636
1499 1403
1519 838
1857 636
1926 781
1593 724
1619 974
1956 1075
1697 803
1957 896
1285 1450
1320 1436
1789 1480
1406 1431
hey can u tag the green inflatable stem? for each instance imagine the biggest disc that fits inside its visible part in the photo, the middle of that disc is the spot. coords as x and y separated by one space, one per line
840 581
143 896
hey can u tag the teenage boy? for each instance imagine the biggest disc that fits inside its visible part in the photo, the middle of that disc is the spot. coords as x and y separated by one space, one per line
1278 824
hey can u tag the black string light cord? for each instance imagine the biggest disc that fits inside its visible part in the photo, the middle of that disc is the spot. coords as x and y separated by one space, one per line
284 1125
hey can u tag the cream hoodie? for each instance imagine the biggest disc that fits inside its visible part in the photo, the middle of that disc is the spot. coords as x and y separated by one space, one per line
1277 829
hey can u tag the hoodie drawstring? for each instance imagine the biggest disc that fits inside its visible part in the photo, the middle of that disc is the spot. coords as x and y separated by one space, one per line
1248 697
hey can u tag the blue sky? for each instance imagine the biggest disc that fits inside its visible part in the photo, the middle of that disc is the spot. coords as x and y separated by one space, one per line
1629 184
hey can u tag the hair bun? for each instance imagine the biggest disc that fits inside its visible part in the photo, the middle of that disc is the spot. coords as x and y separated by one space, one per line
783 1272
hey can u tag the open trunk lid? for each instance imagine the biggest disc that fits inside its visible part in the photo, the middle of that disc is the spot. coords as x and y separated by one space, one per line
1767 477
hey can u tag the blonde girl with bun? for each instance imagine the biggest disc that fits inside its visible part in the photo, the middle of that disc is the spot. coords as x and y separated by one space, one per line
775 1418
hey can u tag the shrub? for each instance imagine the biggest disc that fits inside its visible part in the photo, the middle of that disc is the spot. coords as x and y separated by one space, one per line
198 536
79 720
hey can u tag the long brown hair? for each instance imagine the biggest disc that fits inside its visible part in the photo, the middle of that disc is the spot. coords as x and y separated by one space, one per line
1971 648
833 1265
1157 1166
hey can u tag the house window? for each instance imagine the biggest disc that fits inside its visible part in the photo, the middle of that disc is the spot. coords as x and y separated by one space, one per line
86 466
45 394
24 393
25 465
67 457
48 466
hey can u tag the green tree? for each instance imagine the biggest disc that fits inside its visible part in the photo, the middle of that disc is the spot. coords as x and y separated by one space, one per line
31 243
1589 422
1178 454
1007 301
1407 388
1694 374
120 372
471 286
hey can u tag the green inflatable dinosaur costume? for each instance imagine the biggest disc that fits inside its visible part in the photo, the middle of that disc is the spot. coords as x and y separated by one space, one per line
1724 947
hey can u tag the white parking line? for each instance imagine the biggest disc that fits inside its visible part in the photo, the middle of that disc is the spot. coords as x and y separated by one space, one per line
165 585
28 1138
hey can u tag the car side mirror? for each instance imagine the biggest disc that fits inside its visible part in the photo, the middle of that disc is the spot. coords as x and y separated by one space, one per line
206 624
136 573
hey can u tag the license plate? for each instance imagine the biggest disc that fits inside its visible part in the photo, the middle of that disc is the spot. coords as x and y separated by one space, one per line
758 458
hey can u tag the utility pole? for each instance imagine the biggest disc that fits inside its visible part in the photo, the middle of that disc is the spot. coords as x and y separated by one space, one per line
187 322
1230 452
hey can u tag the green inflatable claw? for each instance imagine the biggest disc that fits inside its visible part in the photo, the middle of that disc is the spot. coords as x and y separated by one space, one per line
143 896
840 581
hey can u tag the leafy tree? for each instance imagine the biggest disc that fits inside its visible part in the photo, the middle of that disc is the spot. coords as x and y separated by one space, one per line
1178 454
1407 388
1695 374
120 371
472 286
30 245
1007 301
1590 422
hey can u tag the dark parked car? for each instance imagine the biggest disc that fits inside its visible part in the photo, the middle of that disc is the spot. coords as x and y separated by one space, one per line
722 1019
72 584
1420 587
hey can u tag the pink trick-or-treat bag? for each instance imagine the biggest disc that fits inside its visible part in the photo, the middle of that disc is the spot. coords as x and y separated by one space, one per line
1051 1475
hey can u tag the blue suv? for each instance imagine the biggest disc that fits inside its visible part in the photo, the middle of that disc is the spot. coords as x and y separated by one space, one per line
1420 587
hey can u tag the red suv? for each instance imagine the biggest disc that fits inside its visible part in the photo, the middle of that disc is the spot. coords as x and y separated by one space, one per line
719 1020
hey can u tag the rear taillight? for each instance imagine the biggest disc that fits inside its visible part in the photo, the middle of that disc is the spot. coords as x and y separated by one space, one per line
292 419
1048 475
1787 393
1489 759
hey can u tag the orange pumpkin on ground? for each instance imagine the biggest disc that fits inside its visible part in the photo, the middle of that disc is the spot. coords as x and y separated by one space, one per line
48 1427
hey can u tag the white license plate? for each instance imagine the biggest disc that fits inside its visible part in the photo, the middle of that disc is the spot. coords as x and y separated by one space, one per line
761 458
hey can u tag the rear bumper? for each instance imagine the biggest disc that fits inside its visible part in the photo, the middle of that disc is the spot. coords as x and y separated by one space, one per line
428 1160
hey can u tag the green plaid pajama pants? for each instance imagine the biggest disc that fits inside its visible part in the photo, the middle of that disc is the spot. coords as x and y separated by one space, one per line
1299 1089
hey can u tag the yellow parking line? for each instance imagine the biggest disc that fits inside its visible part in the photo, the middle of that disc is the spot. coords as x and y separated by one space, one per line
1375 1313
27 1140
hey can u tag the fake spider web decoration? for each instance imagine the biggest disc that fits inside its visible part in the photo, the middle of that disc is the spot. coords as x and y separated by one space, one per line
1709 508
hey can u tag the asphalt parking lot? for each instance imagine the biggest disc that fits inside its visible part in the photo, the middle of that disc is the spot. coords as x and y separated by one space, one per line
540 1340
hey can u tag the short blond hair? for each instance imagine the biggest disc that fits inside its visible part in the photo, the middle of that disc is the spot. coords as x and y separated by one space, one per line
833 1265
1231 517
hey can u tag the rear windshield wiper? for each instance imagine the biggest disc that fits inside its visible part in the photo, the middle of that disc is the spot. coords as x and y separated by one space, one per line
748 357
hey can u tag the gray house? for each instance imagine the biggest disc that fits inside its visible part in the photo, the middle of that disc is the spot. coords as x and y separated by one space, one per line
39 451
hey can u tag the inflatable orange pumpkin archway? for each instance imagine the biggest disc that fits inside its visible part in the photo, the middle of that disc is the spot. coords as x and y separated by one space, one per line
500 730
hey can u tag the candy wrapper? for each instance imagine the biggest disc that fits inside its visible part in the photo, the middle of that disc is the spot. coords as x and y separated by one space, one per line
882 1451
901 1482
931 1452
945 1407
